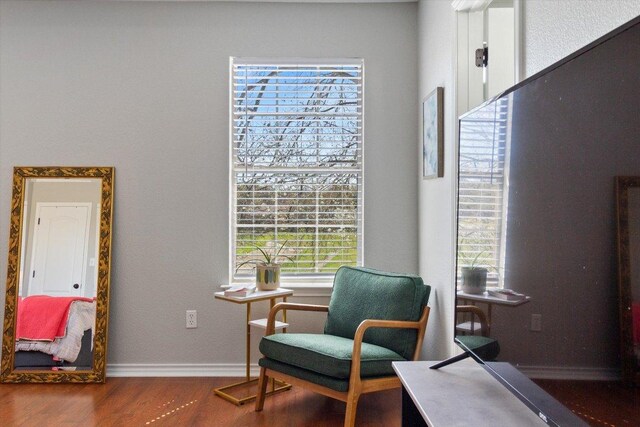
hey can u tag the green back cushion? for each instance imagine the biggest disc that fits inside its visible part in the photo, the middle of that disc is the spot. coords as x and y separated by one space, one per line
361 293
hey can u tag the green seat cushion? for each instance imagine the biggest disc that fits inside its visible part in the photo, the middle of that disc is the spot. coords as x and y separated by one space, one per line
485 348
327 354
304 374
361 293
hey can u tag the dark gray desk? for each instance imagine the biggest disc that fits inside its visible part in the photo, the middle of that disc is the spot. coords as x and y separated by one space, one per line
465 394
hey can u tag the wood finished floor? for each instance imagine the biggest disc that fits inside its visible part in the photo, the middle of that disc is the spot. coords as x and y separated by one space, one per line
179 402
191 402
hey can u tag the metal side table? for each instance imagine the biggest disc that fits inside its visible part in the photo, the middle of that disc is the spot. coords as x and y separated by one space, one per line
276 386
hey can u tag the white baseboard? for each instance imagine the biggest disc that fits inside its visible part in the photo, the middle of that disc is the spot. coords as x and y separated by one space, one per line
180 370
238 370
570 373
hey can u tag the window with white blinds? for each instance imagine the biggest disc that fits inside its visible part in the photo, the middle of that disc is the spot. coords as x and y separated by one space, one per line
296 165
482 194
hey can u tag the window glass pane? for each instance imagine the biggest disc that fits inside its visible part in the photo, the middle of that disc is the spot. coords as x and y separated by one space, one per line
297 166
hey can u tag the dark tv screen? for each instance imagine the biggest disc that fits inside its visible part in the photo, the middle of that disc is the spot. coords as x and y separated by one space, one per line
536 208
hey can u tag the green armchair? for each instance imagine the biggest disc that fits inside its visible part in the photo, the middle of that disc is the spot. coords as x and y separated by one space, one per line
374 318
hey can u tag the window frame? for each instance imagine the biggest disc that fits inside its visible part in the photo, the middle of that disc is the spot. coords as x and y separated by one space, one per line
299 280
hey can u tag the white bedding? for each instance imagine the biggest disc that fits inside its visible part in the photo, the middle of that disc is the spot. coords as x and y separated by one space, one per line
82 316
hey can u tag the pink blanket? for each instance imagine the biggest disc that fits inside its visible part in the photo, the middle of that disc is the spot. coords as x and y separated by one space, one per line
44 318
635 315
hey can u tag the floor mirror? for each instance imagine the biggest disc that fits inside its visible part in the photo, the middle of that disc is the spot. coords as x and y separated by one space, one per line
628 210
58 273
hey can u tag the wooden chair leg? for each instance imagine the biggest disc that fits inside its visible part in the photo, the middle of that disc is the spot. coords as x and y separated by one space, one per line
352 406
262 389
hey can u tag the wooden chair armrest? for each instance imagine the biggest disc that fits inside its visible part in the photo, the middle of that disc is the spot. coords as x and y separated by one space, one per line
484 323
420 325
271 320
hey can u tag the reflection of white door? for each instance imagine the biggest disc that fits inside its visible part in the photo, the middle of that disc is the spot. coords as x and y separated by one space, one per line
493 28
60 242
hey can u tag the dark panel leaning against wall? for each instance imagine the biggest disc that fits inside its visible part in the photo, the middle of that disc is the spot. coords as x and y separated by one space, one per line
566 150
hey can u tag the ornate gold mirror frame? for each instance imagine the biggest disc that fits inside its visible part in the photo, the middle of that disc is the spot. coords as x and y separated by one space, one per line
8 373
628 260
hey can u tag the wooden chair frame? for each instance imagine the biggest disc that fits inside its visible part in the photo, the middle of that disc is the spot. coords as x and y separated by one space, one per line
357 385
484 323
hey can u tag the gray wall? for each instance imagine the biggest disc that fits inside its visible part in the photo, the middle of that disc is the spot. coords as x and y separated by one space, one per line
555 28
437 28
144 87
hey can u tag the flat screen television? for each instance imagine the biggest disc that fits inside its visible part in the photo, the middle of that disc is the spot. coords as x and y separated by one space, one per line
536 211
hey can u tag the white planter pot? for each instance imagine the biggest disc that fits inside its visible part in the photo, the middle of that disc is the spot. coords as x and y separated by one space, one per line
267 277
474 280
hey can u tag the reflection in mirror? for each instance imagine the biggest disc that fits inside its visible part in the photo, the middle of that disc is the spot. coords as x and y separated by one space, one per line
628 202
57 320
60 231
58 276
484 147
482 194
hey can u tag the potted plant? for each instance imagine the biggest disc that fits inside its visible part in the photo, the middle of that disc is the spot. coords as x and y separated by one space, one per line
267 267
474 277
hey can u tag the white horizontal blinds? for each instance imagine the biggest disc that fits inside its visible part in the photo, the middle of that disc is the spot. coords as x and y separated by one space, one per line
297 164
484 141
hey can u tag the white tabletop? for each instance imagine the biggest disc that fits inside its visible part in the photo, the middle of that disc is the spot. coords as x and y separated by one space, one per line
255 296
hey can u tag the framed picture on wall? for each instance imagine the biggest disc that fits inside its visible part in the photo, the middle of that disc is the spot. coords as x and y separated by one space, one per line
433 134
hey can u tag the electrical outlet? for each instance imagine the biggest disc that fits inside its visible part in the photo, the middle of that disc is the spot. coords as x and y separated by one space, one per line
536 322
192 319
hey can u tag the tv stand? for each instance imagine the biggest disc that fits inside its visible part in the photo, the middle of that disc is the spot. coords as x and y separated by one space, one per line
459 357
455 359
